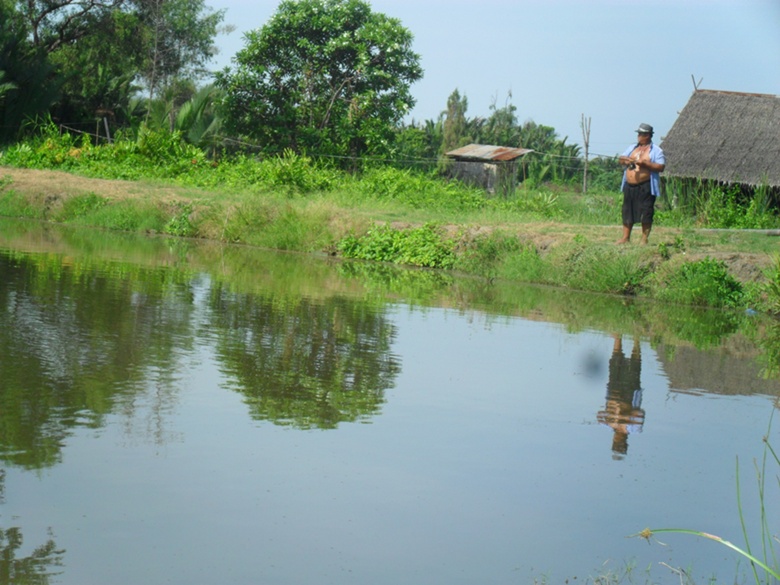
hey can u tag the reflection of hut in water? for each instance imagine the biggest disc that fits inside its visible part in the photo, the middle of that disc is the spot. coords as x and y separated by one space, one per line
494 168
717 371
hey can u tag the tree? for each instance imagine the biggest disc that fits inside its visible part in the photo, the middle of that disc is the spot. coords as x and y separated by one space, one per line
501 128
329 76
29 88
179 40
455 123
56 23
101 49
99 78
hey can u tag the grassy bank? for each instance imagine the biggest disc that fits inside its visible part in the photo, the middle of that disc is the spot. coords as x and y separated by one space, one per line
552 235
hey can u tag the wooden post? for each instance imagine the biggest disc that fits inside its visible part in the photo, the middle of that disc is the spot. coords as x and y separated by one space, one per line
108 134
585 124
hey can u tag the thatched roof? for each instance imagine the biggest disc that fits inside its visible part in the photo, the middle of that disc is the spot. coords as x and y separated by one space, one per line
727 137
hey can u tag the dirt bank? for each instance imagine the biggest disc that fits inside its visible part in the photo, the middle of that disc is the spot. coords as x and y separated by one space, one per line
734 247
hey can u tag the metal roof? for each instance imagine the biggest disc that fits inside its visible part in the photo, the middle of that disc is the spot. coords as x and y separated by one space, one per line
488 152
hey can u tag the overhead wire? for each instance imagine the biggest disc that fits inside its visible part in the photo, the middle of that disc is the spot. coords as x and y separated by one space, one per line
421 161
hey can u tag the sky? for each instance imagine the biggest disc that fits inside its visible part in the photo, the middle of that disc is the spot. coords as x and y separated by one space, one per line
614 64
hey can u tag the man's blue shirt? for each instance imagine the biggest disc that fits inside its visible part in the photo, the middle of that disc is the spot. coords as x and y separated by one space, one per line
656 156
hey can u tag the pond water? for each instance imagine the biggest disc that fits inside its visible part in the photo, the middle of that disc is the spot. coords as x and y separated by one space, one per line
190 413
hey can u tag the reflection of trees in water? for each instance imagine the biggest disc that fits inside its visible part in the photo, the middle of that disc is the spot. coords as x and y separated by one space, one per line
306 364
75 343
769 341
34 569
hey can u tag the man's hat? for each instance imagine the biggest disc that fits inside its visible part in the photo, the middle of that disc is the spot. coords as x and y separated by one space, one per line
645 129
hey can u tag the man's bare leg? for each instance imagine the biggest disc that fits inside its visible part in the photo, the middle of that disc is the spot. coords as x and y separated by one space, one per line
645 232
626 235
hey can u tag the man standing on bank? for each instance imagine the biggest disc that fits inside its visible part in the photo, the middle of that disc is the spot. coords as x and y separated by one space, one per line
641 182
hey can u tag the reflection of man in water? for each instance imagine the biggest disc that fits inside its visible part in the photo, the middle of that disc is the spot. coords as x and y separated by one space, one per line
623 410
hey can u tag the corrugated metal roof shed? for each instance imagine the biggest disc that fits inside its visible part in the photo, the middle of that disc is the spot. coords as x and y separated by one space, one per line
488 152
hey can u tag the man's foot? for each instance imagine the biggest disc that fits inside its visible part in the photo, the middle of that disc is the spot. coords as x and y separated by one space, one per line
623 241
643 241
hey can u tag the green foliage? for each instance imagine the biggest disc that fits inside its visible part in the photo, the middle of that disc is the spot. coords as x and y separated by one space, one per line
552 160
455 125
130 217
420 191
424 246
191 112
29 85
80 206
180 224
292 201
604 174
327 76
724 206
14 205
526 265
542 204
666 249
772 286
296 173
78 61
178 41
583 265
704 282
486 252
415 146
98 75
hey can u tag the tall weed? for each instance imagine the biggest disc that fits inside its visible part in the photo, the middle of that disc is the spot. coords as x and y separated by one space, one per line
763 558
607 269
772 286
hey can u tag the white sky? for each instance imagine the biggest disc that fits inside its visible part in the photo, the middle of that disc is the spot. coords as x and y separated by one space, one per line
619 63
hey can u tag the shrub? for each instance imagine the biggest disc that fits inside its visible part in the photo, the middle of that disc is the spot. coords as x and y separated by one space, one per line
704 282
424 246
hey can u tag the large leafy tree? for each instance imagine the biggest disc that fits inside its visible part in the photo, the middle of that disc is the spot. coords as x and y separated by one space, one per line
328 76
99 51
98 77
55 23
28 86
179 40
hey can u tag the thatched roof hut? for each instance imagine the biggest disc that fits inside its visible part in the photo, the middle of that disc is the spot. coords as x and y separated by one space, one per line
726 137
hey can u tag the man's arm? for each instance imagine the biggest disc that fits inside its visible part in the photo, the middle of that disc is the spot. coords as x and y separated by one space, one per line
651 166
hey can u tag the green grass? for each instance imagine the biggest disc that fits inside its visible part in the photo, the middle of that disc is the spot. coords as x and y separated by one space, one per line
549 235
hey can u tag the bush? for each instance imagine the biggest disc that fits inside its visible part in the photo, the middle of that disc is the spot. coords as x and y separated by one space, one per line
704 282
424 246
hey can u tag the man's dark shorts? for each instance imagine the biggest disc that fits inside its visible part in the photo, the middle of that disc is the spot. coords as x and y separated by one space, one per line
638 204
